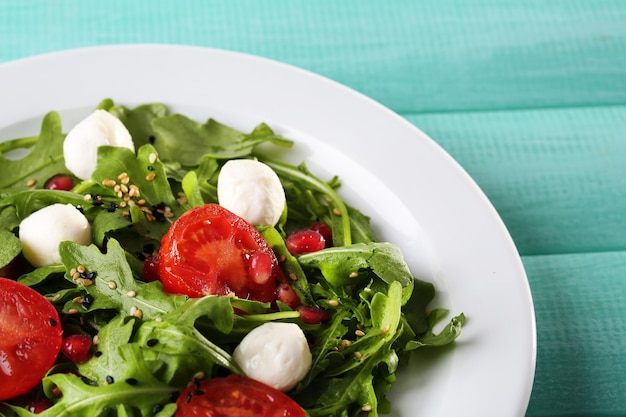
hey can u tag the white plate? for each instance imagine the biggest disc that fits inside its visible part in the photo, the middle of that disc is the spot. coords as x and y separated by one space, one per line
417 195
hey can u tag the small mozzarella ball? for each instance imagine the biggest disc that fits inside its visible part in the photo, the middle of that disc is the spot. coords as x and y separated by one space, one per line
276 354
251 190
42 231
80 148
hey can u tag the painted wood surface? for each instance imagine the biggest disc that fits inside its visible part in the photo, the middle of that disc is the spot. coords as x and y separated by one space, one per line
529 96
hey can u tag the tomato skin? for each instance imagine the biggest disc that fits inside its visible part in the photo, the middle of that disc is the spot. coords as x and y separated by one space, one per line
235 396
210 250
30 338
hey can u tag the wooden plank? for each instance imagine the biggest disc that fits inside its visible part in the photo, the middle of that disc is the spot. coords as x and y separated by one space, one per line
581 356
557 177
410 55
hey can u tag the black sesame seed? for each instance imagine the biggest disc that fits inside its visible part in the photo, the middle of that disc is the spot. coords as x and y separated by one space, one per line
151 139
97 354
52 322
109 379
131 381
91 275
152 342
80 209
157 408
196 383
111 209
188 397
174 396
88 381
198 392
87 302
97 200
150 168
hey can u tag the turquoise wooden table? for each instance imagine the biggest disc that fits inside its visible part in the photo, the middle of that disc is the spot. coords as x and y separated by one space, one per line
528 96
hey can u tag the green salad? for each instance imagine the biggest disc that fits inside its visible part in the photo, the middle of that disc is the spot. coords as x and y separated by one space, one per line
144 344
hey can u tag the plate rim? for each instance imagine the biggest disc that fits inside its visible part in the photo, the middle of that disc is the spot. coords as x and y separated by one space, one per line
126 49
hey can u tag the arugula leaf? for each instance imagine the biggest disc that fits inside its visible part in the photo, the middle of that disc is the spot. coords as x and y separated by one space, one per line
191 188
39 275
118 332
26 202
81 399
450 332
340 265
171 346
11 247
113 282
42 163
305 179
183 350
297 278
138 121
210 138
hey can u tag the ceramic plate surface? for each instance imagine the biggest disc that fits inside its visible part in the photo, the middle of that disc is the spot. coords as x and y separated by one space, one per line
417 196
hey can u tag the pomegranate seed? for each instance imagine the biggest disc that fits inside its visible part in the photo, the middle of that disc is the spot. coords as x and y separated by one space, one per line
60 182
38 406
76 347
313 315
260 267
287 295
325 231
305 241
14 269
151 268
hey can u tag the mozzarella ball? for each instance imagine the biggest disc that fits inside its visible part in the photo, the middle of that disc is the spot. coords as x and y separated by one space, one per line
276 354
80 148
42 231
251 190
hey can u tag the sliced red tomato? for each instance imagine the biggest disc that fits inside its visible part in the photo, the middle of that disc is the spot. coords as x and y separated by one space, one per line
210 250
235 396
30 338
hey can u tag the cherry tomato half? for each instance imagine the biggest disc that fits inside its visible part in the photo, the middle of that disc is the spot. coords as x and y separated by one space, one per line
235 396
210 250
30 338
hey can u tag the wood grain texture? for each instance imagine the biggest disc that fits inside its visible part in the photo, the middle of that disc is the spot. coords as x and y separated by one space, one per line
528 96
557 177
451 55
581 356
